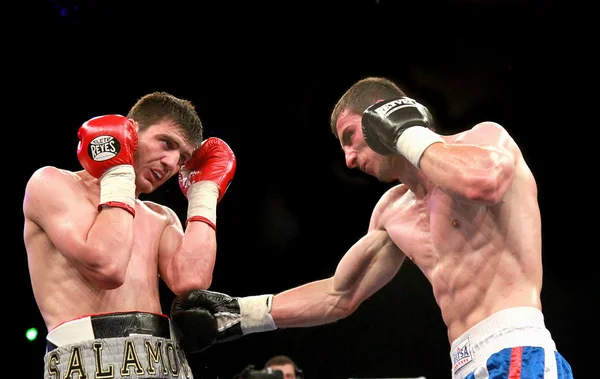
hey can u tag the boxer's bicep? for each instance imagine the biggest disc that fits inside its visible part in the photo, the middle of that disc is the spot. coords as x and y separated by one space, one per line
368 266
365 268
54 204
169 243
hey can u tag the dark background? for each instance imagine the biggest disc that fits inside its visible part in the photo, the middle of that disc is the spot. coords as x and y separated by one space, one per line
264 77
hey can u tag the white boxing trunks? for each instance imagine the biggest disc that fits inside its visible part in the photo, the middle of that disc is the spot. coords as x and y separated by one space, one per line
132 345
511 344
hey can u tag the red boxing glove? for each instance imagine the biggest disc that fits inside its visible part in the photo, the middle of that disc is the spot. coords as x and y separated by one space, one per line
105 151
205 179
105 142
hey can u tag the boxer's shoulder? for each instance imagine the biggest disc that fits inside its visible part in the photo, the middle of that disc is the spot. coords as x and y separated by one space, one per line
155 207
385 203
157 211
48 179
53 173
392 195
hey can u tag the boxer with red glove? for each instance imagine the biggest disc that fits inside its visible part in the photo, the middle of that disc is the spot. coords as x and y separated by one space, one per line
105 150
205 178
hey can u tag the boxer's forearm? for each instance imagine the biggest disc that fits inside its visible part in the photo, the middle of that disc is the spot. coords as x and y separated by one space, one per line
369 264
108 249
472 173
315 303
192 262
479 166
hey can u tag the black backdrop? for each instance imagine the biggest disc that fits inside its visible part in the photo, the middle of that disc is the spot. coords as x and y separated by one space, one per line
264 77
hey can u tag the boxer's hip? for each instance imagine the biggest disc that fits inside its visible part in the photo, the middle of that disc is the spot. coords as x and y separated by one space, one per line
507 339
117 345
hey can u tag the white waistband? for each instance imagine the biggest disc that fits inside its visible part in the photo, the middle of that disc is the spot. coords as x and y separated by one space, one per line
82 329
520 326
70 332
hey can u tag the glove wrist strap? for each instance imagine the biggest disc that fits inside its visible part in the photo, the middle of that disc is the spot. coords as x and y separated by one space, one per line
202 202
117 188
413 142
255 314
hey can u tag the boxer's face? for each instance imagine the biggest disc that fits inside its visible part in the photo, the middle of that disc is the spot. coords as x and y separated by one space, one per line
162 149
357 153
287 369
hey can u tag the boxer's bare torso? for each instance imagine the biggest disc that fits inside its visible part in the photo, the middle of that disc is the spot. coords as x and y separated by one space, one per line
61 291
478 259
480 250
477 240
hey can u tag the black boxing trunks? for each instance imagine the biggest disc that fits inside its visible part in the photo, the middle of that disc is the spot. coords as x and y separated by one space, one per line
132 345
513 343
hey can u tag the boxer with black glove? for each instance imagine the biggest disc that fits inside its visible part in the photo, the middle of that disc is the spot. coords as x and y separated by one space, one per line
235 317
399 126
461 213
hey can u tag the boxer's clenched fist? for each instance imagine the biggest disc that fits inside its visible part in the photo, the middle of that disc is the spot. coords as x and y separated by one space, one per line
205 179
105 150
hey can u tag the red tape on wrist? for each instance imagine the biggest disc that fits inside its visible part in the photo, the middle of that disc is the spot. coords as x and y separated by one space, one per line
117 204
202 219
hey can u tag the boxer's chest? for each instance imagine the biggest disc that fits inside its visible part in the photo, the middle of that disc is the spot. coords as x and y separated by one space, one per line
427 228
147 231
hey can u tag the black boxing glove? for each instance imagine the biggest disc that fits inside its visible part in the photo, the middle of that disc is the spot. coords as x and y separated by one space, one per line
234 317
399 126
197 329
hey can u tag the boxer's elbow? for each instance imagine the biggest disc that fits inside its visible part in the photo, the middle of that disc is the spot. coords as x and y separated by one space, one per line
108 277
186 272
106 274
489 182
342 307
348 310
201 281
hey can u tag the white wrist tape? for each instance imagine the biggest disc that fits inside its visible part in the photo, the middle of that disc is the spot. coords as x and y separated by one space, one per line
117 184
254 311
413 142
202 200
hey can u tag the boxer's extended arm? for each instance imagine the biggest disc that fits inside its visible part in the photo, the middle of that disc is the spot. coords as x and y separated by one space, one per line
370 264
478 167
206 317
98 244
